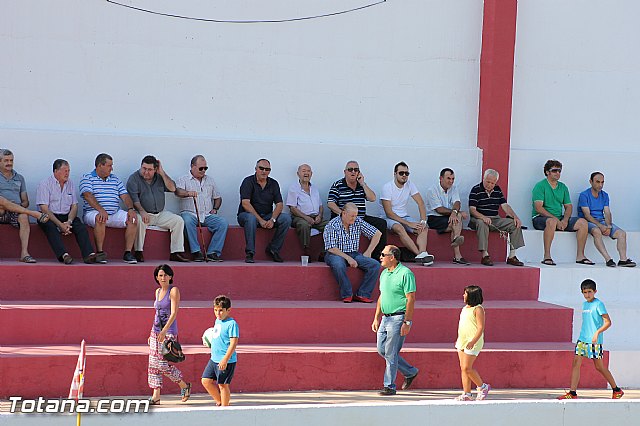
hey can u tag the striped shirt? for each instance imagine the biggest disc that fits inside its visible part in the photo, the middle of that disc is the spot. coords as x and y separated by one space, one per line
207 192
341 194
58 199
486 204
106 191
335 236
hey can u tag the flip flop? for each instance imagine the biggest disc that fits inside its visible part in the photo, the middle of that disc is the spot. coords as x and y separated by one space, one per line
548 262
28 259
44 218
585 261
154 401
186 392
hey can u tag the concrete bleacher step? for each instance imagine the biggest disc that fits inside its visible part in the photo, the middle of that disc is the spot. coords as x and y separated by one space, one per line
46 370
157 245
260 281
275 322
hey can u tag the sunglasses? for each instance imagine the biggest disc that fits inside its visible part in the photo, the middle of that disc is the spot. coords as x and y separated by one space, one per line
353 169
555 170
203 169
265 169
386 254
403 173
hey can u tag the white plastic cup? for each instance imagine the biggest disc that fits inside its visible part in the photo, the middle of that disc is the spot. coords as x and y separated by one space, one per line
304 260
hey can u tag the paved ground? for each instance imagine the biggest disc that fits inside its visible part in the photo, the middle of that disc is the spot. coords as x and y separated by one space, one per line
364 397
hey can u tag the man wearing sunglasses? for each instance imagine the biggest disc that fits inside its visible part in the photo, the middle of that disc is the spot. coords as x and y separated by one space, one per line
258 195
484 201
352 188
550 197
147 187
394 198
199 186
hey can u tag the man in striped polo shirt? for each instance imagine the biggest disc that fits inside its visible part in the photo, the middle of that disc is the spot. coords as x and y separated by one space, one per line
352 188
102 192
484 201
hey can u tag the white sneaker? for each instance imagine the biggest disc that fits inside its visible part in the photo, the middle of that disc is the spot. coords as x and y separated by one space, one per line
483 391
463 397
425 258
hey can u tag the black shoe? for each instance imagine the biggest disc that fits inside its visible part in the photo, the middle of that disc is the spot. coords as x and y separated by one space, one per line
249 258
101 257
139 256
387 391
177 257
274 255
90 259
198 257
128 257
321 257
213 257
408 380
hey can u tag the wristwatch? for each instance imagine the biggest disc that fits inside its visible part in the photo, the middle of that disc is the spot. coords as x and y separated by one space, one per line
273 219
454 211
408 323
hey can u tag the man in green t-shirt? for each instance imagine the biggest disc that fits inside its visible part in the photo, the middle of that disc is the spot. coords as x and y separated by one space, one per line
395 306
550 197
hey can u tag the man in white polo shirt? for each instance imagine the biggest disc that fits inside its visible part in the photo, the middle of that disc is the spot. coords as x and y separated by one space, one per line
394 198
102 192
306 208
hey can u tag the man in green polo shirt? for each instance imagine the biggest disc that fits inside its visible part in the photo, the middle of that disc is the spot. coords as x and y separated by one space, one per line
550 197
395 306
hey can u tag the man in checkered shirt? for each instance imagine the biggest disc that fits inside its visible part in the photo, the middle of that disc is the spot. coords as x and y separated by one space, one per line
342 241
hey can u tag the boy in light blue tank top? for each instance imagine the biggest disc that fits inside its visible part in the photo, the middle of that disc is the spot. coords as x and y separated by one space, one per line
222 364
595 320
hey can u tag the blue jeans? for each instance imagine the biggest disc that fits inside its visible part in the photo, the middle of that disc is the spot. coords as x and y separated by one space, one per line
389 344
249 222
339 267
218 226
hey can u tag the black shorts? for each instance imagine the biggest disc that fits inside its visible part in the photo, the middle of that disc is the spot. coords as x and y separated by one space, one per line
223 377
439 223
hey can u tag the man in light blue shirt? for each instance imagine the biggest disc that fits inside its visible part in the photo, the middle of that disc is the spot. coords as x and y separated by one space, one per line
593 205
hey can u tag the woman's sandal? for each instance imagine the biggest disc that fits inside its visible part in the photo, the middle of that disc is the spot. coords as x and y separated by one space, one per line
186 392
548 262
585 261
154 401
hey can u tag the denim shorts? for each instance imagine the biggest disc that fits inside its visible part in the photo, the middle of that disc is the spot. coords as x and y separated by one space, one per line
614 228
540 222
589 350
391 222
223 377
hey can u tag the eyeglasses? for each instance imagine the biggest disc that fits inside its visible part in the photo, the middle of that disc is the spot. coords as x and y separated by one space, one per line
265 169
203 169
403 173
353 169
555 170
386 254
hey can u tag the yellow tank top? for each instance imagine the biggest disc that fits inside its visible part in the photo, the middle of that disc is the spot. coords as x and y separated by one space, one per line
467 328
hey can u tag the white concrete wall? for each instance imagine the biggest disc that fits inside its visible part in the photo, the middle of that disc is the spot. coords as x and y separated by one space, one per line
387 83
575 99
485 413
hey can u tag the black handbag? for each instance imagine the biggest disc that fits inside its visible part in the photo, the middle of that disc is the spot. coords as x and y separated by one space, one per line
172 351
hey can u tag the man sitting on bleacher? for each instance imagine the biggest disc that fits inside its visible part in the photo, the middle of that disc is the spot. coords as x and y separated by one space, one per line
102 192
593 205
484 201
550 196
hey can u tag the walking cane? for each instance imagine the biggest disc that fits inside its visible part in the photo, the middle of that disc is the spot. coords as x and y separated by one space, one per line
203 250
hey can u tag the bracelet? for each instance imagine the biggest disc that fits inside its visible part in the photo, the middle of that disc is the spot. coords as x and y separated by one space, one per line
131 208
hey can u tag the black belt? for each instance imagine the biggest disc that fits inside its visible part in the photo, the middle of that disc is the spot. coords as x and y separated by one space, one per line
394 314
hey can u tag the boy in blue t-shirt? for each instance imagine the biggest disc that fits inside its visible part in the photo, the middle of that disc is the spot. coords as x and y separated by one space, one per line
222 364
595 320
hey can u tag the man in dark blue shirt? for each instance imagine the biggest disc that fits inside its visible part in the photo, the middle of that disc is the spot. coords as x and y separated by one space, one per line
484 201
258 195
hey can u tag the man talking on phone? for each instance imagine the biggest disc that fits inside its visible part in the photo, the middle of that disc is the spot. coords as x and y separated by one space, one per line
352 188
